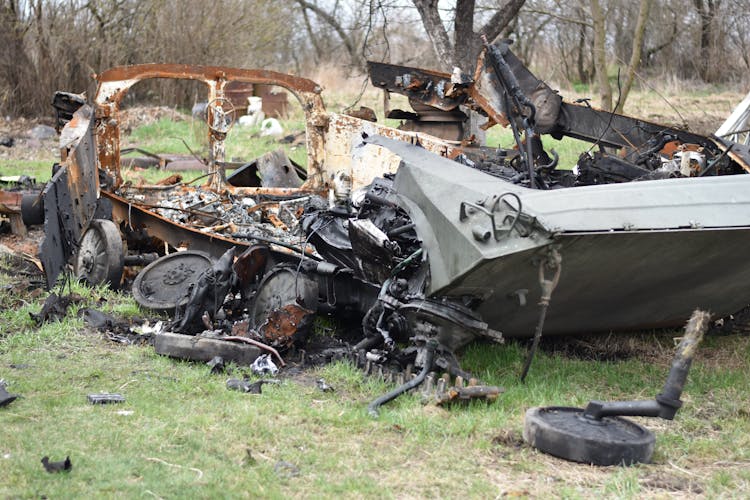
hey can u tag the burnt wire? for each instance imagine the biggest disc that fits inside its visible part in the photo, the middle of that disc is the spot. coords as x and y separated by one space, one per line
611 113
644 82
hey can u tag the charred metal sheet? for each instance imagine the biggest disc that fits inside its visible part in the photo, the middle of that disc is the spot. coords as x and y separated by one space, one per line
490 95
657 247
70 199
276 170
66 104
432 88
205 297
612 129
204 349
286 325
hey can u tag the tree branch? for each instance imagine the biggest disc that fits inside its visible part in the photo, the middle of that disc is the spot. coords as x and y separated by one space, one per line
501 19
564 19
333 23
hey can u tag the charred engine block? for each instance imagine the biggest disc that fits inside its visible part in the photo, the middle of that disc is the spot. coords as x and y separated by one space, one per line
371 241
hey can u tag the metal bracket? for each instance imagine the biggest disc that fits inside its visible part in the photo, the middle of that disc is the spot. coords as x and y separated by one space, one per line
480 232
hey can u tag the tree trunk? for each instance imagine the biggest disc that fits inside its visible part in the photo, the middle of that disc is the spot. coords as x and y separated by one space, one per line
465 40
600 55
583 74
635 56
433 25
706 12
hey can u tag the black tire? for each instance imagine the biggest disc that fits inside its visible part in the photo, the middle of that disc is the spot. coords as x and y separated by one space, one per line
564 432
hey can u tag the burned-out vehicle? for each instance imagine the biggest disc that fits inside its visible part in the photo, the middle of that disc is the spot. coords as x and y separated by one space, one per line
427 243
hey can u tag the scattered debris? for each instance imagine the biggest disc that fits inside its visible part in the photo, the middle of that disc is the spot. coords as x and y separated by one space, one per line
244 385
263 365
323 386
105 398
62 466
249 459
6 398
55 307
286 469
270 127
465 394
216 364
118 330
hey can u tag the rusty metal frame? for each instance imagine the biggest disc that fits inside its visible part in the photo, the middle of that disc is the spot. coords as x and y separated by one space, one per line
115 83
332 142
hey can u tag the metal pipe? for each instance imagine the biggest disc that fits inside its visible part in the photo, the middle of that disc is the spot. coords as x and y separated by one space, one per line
667 402
274 241
261 345
400 230
140 259
372 408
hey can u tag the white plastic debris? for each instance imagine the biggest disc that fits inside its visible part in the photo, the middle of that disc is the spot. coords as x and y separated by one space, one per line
271 127
146 328
264 365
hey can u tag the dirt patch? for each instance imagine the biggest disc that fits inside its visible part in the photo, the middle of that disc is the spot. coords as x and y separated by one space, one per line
663 481
655 347
509 439
24 245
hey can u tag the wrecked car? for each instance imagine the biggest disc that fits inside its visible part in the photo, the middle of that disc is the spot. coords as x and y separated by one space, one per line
427 243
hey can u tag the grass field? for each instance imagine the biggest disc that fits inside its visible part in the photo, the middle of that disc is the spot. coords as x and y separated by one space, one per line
181 433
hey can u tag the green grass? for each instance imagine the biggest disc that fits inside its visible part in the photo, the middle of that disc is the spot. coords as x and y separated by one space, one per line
187 137
242 143
41 170
181 432
568 149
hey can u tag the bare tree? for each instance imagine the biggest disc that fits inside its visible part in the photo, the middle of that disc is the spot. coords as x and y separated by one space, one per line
600 55
331 20
635 56
707 11
464 48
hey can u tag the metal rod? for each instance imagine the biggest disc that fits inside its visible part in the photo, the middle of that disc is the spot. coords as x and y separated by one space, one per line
373 407
261 345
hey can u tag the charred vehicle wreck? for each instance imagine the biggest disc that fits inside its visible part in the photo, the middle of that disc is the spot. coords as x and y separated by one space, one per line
427 243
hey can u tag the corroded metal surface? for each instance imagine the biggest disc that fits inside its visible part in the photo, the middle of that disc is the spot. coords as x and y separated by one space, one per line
115 83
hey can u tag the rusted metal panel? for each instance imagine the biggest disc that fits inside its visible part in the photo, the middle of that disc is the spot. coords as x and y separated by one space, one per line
10 202
344 151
